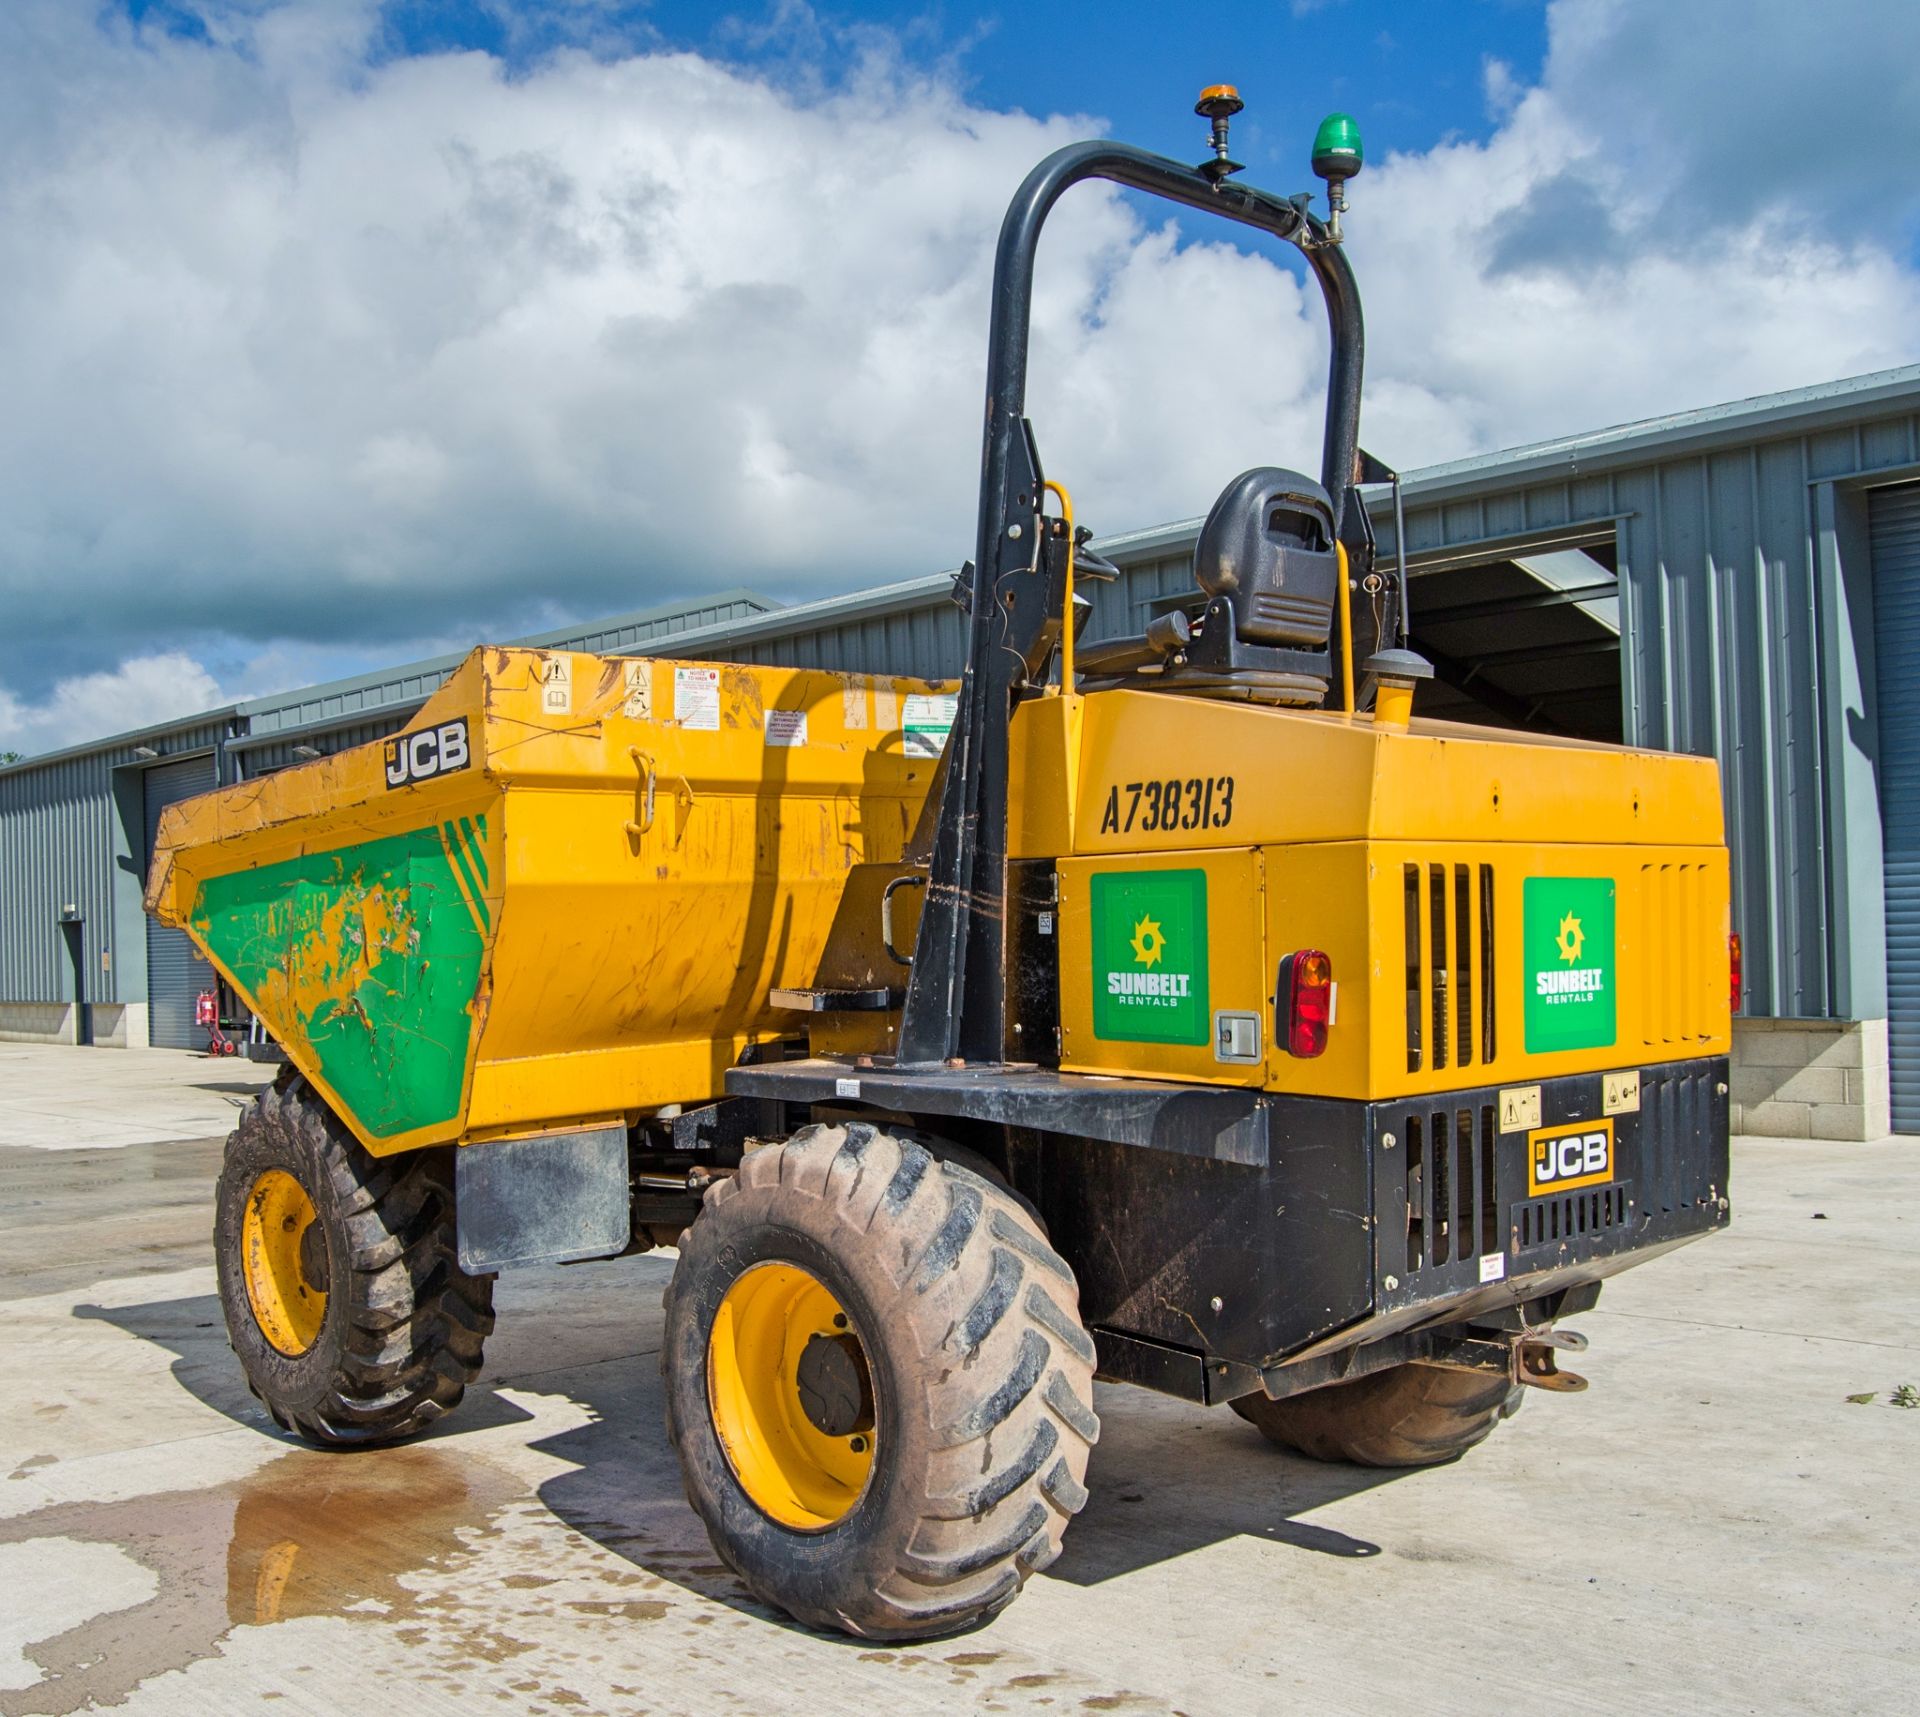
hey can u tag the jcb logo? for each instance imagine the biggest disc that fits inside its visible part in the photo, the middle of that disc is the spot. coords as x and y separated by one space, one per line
416 757
1562 1158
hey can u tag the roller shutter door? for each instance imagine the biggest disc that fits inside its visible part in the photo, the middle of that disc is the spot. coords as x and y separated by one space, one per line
175 972
1894 531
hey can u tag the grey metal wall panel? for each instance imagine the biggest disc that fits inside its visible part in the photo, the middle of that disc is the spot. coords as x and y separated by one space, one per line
1892 441
331 704
628 632
1894 544
58 848
1849 691
176 974
928 641
278 752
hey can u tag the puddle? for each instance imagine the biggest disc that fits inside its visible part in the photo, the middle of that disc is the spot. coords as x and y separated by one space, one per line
310 1534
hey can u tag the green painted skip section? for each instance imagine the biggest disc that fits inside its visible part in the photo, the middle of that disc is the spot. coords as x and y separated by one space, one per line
364 961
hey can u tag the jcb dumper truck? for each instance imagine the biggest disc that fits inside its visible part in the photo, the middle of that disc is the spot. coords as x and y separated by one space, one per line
1177 1009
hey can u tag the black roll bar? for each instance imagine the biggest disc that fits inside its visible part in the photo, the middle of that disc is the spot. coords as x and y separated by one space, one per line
956 993
1156 175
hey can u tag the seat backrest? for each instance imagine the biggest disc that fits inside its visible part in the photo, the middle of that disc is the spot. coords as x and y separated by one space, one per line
1268 548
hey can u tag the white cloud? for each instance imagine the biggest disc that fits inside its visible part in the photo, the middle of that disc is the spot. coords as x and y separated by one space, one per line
319 356
138 693
1503 89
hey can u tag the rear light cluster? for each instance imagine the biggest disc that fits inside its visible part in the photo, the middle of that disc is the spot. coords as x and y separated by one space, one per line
1733 971
1305 1002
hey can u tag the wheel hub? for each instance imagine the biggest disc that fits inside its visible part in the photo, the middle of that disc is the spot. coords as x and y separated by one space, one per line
791 1394
284 1260
836 1393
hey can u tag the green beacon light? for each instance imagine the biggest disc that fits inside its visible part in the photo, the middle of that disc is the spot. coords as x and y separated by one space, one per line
1337 156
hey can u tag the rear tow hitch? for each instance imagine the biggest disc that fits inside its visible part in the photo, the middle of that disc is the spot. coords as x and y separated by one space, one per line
1526 1352
1534 1363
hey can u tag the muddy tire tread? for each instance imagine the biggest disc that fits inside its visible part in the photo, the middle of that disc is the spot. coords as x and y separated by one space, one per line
410 1332
997 1354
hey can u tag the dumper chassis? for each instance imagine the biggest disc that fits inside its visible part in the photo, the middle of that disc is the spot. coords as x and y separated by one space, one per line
1035 1066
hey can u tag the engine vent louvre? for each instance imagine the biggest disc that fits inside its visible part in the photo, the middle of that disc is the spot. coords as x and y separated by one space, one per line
1453 1206
1449 943
1572 1216
1676 991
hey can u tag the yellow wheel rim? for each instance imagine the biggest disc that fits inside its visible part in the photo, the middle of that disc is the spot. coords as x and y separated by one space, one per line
791 1395
284 1260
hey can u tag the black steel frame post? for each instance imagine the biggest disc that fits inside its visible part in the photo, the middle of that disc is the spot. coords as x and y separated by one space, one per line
956 992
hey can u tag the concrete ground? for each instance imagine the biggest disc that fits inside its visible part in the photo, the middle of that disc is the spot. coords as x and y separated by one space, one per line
1715 1526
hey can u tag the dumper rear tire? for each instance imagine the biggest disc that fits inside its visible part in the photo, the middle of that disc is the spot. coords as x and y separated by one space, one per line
343 1298
1405 1416
878 1384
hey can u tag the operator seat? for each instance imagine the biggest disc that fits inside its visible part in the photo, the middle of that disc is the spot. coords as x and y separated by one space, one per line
1268 565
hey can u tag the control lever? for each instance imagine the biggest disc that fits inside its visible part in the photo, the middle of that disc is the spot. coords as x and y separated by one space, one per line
1087 564
1167 635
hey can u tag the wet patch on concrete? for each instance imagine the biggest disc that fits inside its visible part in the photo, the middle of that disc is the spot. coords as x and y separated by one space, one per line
62 1236
309 1534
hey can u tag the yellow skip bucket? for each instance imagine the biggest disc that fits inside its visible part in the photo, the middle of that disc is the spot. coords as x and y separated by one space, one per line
562 895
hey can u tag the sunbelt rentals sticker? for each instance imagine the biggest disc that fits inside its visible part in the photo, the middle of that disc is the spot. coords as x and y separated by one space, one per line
1567 955
1150 956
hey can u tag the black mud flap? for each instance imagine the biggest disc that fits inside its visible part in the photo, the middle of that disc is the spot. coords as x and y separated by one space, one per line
545 1200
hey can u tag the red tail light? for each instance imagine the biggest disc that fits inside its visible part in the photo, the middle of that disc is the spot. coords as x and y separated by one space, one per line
1733 971
1306 1001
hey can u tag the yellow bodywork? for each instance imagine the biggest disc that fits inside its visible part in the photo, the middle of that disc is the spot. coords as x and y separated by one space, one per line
641 850
1322 830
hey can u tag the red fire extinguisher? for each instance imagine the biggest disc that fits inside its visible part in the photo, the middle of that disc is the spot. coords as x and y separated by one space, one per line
206 1014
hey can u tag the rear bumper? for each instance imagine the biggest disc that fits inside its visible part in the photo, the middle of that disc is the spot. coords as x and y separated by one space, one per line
1459 1227
1360 1221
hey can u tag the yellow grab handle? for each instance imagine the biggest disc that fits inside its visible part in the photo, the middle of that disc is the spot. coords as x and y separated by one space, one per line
1346 633
643 791
1066 635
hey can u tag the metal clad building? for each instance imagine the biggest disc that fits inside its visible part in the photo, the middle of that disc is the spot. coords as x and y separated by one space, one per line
72 844
177 974
1731 582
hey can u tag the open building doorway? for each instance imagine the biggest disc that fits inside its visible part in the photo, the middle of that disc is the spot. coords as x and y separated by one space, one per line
1527 639
73 940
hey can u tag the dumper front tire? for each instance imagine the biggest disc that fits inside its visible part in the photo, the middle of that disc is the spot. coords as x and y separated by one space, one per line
1405 1416
353 1321
878 1384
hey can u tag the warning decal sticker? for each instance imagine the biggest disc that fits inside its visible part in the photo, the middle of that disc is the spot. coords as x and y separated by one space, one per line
926 721
696 698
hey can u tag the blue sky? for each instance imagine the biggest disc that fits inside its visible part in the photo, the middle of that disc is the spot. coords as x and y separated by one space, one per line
1409 70
342 331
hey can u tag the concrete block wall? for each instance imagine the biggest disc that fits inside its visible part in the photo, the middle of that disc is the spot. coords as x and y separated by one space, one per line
1811 1078
116 1025
36 1022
